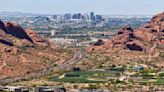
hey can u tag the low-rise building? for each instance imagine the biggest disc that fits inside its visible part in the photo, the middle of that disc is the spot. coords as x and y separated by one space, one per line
1 88
49 89
15 89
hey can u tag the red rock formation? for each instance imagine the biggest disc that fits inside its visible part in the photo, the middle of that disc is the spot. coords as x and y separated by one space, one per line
99 42
36 38
141 39
143 45
125 30
15 42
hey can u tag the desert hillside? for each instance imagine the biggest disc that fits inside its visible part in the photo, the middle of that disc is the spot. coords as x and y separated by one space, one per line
23 51
143 45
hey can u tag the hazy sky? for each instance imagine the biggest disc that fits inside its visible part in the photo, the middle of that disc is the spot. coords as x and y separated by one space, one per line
109 7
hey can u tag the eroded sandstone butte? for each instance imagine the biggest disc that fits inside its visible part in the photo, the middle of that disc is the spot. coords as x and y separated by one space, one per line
142 44
23 51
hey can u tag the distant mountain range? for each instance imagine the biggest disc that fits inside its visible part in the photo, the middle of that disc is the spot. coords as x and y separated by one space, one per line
8 13
35 14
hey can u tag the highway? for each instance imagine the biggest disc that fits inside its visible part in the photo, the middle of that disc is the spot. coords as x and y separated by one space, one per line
78 56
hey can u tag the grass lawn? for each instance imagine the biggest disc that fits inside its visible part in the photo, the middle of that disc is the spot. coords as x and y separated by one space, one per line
160 81
154 81
83 77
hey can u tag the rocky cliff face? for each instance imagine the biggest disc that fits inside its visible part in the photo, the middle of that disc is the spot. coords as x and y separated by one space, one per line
141 39
144 42
17 36
24 51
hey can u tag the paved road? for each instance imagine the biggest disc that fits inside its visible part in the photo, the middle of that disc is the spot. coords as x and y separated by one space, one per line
78 56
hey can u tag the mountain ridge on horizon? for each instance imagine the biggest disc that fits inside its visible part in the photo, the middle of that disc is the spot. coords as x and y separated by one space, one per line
16 13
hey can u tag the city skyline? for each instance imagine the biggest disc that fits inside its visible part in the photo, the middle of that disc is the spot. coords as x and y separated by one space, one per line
105 7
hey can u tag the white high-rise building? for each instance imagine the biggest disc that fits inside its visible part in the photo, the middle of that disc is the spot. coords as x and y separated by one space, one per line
53 32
